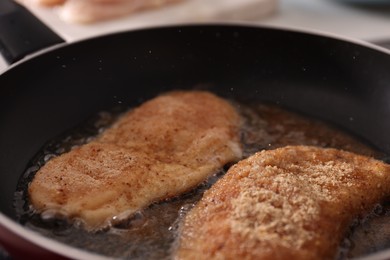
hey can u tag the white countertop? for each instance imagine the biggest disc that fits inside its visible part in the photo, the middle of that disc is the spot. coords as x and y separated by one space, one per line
370 22
339 17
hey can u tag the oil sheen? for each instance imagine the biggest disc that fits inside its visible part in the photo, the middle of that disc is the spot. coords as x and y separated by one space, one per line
151 233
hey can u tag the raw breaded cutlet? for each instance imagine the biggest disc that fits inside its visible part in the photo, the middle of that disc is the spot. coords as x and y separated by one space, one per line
161 149
294 202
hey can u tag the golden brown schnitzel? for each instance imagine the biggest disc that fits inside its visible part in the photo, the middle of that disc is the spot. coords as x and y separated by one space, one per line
294 202
161 149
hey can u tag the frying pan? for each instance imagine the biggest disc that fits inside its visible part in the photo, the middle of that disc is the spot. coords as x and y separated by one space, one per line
343 82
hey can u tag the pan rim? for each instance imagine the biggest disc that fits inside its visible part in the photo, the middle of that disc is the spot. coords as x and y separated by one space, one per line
48 244
231 24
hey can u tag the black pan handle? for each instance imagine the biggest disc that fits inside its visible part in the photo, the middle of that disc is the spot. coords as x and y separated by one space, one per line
21 33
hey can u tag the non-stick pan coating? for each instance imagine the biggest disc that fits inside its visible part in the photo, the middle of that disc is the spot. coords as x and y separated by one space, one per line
341 82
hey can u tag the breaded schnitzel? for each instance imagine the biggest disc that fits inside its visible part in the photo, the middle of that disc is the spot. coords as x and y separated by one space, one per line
294 202
161 149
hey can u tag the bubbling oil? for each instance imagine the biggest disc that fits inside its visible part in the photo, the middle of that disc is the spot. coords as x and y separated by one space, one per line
151 233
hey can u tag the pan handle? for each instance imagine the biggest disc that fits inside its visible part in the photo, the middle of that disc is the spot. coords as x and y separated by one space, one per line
21 33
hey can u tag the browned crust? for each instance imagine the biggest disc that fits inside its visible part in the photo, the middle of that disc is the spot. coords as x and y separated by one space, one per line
290 203
161 149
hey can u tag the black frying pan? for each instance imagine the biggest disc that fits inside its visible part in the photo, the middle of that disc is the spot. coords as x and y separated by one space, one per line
339 81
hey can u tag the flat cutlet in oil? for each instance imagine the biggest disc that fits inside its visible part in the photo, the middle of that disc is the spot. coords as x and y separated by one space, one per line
159 150
294 202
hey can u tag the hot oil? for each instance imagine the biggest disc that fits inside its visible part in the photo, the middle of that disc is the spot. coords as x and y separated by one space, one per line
151 233
148 234
370 234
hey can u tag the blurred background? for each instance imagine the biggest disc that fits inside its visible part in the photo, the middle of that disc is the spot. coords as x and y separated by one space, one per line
363 19
367 20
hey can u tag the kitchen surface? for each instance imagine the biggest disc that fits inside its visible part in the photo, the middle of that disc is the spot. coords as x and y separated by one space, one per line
358 19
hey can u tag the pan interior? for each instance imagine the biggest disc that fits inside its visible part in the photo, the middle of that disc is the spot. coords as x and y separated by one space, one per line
152 232
336 81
